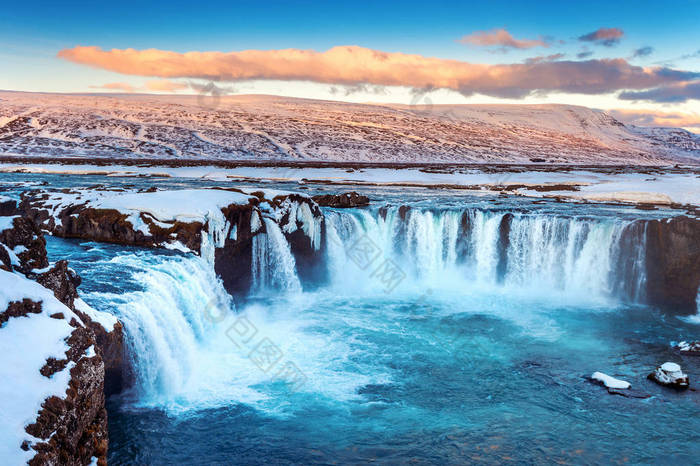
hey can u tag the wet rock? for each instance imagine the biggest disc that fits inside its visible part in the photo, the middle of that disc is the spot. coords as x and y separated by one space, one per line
669 374
344 200
673 263
691 348
629 393
503 243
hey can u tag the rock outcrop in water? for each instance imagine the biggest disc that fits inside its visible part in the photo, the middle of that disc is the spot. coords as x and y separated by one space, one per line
221 227
669 374
689 348
71 425
673 263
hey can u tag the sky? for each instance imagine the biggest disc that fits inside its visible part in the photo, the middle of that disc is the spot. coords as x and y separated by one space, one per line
638 60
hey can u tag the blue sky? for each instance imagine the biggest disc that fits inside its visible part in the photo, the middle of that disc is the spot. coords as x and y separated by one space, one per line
32 33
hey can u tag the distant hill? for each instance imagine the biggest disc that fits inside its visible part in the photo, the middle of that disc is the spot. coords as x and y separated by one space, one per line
256 127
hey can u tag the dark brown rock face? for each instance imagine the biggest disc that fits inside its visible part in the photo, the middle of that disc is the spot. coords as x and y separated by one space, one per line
673 263
345 200
8 208
19 309
111 226
233 261
26 234
503 243
62 281
74 428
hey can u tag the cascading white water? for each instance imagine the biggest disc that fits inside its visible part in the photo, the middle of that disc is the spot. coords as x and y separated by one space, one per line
539 252
169 321
184 355
273 265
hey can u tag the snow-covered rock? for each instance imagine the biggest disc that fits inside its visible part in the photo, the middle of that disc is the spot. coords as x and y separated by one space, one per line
218 224
691 348
52 400
610 382
670 374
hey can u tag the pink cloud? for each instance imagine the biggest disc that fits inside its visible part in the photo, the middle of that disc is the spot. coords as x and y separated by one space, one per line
165 85
157 85
604 36
501 37
350 65
115 87
656 118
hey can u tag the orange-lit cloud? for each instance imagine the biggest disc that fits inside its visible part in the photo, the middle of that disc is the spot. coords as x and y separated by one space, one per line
156 85
655 118
349 65
502 38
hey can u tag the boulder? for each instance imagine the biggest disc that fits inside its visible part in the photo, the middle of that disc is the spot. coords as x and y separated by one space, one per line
669 374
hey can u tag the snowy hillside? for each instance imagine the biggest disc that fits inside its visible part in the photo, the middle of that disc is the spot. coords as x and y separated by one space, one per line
268 127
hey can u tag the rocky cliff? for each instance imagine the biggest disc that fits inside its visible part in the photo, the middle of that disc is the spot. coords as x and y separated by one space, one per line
218 224
59 355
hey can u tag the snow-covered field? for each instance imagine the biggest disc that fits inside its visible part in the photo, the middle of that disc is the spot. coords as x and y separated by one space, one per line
646 186
273 128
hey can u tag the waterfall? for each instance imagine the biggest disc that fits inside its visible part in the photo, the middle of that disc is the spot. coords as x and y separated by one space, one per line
273 266
176 322
582 256
168 321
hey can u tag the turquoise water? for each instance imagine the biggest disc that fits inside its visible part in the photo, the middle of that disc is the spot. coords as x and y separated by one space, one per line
426 377
460 362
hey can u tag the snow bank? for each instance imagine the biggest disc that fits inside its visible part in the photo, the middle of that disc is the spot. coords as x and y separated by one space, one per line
26 343
105 319
187 205
662 187
6 222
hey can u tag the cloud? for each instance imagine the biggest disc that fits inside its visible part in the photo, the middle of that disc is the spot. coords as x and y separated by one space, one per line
116 87
502 38
655 118
584 54
164 85
356 88
351 65
643 52
156 85
604 36
672 93
544 58
211 89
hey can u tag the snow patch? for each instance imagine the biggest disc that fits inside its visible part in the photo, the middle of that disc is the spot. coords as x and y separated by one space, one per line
610 382
26 343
